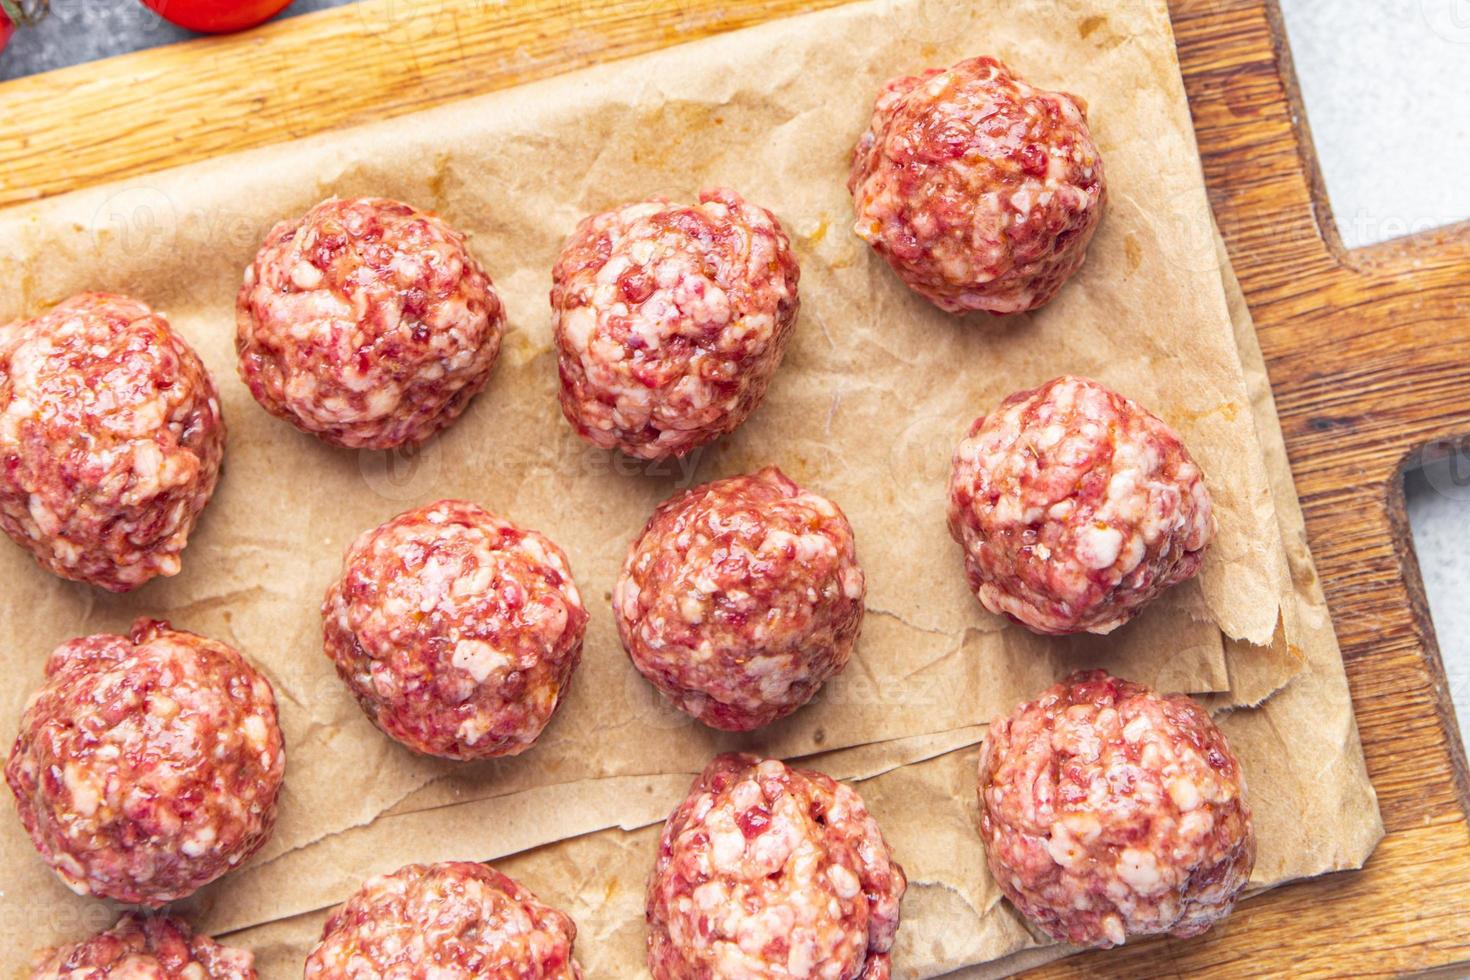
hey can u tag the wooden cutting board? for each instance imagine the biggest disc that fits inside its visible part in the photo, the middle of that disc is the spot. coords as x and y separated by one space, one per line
1368 350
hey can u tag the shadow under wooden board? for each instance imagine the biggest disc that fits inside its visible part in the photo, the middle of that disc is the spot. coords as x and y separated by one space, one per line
1368 352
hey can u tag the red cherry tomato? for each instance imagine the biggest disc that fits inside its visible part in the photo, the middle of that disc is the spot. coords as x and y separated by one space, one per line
6 29
216 16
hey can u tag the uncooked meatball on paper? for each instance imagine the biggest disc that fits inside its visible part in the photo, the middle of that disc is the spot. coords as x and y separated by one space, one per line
670 320
1109 811
770 872
981 191
110 440
367 323
147 765
456 630
741 598
450 921
152 947
1075 507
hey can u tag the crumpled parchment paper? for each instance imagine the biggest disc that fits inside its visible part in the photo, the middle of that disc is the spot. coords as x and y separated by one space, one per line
1315 810
876 389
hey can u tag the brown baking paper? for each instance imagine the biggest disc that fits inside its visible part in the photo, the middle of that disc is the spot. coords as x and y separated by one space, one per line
1315 811
491 828
866 409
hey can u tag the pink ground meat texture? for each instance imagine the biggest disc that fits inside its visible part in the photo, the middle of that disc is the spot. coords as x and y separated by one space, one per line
449 921
670 320
1075 507
980 191
766 871
456 631
741 598
367 323
1109 811
110 440
147 765
146 948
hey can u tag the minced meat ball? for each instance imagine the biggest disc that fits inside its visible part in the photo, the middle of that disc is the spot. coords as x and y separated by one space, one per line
145 947
770 872
980 191
366 322
1075 507
1109 811
110 440
147 765
456 630
670 320
450 921
741 598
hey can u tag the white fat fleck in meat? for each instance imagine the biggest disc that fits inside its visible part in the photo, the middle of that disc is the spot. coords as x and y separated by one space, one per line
1144 832
1075 507
367 323
456 630
670 320
479 659
740 598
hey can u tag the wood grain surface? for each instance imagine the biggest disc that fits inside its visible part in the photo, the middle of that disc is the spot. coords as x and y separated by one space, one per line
1368 351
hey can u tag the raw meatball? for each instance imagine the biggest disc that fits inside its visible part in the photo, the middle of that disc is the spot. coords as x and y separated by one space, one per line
367 323
1109 811
456 630
670 320
110 440
449 921
145 948
740 598
980 191
1076 507
147 765
766 871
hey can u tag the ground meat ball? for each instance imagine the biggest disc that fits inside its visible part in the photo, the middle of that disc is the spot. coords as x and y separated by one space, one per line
456 630
367 323
765 871
446 921
980 191
1109 811
147 765
110 440
740 598
1076 507
670 320
146 948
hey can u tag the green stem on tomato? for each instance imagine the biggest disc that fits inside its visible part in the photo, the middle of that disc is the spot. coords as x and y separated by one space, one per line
19 14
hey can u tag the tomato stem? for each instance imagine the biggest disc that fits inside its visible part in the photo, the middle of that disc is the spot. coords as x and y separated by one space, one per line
22 13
